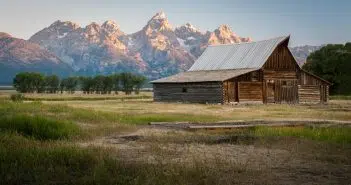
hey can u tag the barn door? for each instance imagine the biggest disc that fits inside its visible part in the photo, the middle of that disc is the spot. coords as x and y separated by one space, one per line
230 91
286 91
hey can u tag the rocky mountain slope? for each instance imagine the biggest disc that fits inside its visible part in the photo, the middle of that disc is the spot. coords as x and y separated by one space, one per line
20 55
157 50
301 52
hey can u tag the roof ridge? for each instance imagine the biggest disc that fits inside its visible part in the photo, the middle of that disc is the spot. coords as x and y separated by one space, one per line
248 68
241 43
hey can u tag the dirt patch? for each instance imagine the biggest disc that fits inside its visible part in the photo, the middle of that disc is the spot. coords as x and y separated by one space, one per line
274 160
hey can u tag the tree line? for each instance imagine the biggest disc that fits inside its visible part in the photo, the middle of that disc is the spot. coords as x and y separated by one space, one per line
30 82
333 63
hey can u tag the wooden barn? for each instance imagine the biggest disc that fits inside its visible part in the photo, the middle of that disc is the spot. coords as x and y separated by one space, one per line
262 71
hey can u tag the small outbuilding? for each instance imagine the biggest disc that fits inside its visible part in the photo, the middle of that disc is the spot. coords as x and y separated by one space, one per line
262 71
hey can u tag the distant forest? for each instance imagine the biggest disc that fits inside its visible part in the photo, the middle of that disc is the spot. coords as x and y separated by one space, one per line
30 82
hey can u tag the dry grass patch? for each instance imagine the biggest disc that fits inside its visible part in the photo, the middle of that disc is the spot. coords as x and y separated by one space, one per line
335 110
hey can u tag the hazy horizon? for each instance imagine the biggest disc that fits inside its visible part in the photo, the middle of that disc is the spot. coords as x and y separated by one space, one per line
308 22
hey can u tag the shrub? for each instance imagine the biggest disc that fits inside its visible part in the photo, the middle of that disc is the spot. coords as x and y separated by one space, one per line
38 127
17 97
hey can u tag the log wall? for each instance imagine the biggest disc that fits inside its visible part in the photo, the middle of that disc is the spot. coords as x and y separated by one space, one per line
308 79
250 91
309 93
271 74
309 82
204 92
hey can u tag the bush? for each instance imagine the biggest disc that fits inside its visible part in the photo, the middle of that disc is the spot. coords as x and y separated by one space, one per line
38 127
17 97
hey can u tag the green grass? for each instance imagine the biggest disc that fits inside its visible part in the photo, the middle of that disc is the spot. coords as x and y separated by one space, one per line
330 134
340 97
38 127
26 161
82 98
63 112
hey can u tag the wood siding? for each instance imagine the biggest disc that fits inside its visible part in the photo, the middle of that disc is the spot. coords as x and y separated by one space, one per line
310 84
204 92
309 93
324 93
280 75
307 79
271 74
250 91
286 91
281 60
231 89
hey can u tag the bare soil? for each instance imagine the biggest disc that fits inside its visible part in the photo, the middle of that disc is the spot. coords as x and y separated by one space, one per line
259 160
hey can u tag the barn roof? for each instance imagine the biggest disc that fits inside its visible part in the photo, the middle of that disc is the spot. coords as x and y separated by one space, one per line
223 62
204 76
237 56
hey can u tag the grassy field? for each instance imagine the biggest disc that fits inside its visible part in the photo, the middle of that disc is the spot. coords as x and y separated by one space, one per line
105 139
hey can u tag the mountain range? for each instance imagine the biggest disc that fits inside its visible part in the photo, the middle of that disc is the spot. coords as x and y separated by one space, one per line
157 50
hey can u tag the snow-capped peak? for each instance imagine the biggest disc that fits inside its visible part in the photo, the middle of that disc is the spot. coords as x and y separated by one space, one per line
110 23
158 22
69 24
225 27
110 26
190 27
160 15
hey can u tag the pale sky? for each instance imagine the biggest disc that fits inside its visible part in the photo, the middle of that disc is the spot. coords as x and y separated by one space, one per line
312 22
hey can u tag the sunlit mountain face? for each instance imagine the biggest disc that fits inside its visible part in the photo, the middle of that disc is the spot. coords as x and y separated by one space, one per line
157 50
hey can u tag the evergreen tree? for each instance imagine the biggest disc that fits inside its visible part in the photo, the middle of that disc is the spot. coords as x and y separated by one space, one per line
333 63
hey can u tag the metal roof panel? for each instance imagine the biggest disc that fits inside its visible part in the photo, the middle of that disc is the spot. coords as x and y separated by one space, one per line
237 56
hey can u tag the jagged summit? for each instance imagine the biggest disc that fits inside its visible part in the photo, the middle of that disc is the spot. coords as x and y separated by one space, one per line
110 24
158 22
225 30
224 27
157 49
70 24
111 27
188 27
159 15
93 25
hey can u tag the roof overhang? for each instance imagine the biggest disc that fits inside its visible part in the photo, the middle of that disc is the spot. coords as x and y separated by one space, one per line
204 76
319 78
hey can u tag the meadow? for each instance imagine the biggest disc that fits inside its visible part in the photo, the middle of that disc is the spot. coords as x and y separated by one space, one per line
106 139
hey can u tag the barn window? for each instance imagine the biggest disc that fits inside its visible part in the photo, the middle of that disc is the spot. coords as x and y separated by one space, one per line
254 76
184 90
